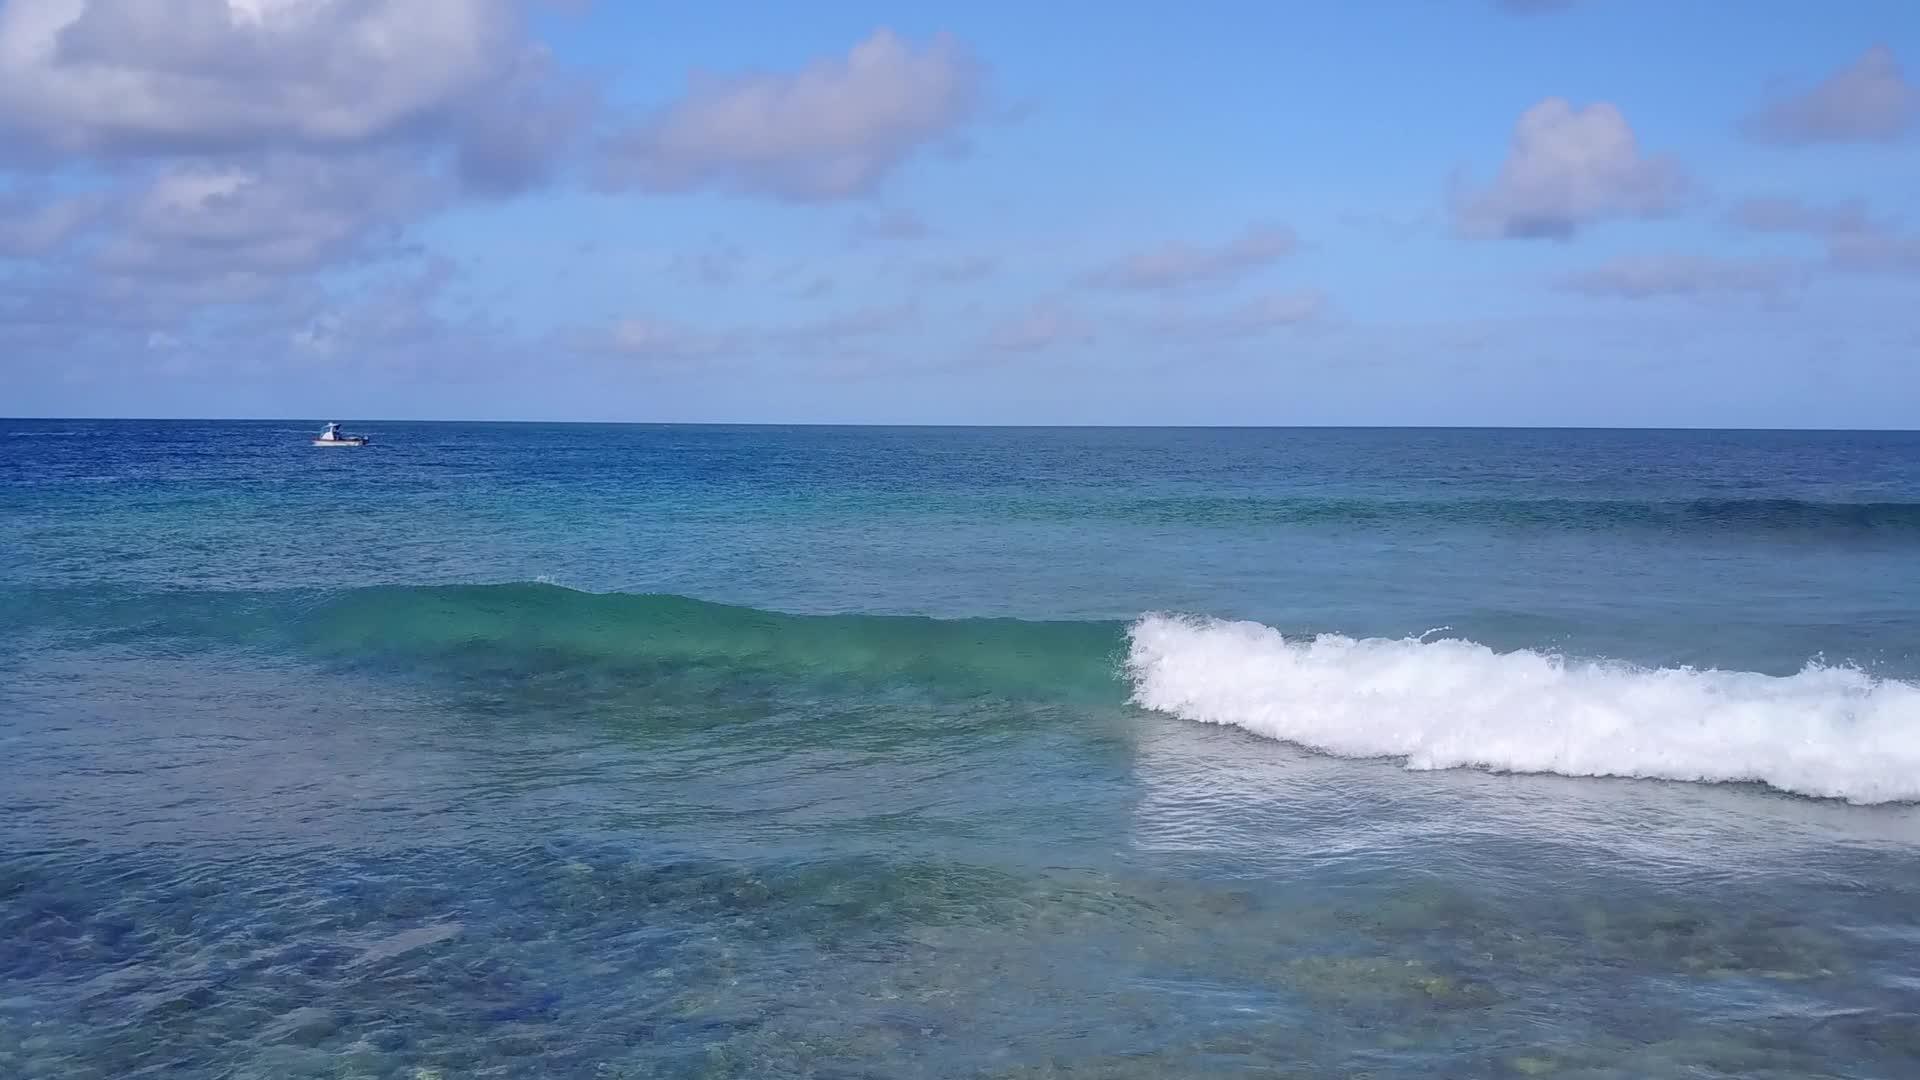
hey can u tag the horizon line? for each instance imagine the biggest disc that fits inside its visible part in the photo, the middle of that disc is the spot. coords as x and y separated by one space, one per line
959 426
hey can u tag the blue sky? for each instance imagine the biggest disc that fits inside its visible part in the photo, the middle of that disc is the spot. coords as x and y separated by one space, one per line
1586 212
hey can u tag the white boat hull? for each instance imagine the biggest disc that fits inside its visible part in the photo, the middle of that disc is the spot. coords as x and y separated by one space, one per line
354 441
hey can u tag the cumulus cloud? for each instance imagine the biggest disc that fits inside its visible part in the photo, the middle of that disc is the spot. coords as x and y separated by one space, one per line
1648 276
1175 265
1869 100
197 234
832 130
1787 215
233 152
1567 167
161 77
278 216
1042 326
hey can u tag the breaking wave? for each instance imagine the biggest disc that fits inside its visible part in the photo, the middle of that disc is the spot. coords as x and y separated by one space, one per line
1432 701
1831 732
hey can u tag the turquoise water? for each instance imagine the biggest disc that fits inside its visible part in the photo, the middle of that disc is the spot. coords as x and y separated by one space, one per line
577 751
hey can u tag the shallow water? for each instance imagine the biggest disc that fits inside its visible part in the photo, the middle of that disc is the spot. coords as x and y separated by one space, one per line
626 751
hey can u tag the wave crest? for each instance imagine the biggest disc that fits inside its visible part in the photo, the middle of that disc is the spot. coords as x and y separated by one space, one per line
549 628
1832 732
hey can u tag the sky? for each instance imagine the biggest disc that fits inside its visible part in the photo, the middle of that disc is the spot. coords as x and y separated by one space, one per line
1434 212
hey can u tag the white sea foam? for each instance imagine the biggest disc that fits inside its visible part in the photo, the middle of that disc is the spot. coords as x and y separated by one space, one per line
1827 731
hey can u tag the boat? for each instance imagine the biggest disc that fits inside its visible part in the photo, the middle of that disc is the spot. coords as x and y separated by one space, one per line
332 437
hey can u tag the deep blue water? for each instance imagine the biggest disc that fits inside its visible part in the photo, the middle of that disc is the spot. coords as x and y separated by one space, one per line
573 750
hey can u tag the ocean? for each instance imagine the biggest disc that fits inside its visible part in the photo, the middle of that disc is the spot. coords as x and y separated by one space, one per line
519 750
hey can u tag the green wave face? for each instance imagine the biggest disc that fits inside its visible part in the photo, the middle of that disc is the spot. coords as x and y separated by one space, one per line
546 630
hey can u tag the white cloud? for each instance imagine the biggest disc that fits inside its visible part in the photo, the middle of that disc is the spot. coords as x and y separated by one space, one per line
202 233
1569 167
274 217
1869 100
1648 276
182 76
833 130
238 148
1175 265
